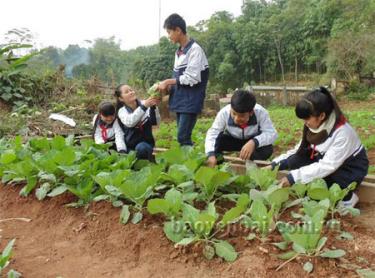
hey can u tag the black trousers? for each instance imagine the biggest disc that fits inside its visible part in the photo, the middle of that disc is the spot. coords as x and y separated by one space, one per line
354 169
225 142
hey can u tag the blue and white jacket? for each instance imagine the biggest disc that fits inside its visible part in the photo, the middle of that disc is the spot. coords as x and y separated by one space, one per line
137 125
259 128
342 146
191 73
112 132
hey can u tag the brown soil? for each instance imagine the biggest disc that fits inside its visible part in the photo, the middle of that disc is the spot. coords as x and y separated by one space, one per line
67 242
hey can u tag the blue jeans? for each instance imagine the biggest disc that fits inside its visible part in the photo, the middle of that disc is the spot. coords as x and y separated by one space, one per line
185 125
144 150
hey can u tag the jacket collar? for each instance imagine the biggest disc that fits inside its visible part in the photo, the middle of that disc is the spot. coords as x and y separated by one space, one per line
180 51
129 109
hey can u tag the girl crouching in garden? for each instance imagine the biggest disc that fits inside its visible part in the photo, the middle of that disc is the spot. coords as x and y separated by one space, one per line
330 148
136 119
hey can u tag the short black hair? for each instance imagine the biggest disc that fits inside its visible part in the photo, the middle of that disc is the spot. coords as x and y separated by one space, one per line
173 21
242 101
107 108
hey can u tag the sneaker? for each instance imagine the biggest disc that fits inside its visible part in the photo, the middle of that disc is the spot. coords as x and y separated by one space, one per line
350 203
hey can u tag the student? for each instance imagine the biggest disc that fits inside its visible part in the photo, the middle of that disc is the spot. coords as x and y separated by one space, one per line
189 82
106 125
136 119
330 148
241 126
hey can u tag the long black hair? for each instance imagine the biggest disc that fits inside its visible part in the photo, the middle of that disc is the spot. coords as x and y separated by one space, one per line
314 104
117 94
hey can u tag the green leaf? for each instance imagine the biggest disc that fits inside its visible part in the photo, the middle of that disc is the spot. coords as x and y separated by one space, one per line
204 224
7 252
281 245
308 267
287 255
137 217
103 197
125 214
42 191
208 252
321 243
279 196
186 241
174 230
298 248
155 206
225 250
243 200
57 191
251 236
333 253
13 274
231 215
317 190
8 157
299 189
31 183
345 235
366 273
117 203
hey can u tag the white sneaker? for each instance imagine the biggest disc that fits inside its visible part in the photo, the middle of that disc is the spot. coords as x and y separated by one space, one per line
350 203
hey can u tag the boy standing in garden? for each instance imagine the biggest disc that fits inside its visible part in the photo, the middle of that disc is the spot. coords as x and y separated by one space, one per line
190 76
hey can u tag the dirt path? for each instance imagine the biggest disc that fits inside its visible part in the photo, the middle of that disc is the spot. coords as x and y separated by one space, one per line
68 242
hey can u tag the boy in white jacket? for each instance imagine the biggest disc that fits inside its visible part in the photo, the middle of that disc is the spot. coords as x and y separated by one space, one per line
241 126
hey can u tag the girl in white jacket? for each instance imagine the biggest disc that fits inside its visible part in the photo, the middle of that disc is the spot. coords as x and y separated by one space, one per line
105 126
330 148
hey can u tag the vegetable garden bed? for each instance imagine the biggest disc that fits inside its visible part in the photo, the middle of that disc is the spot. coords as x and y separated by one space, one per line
221 220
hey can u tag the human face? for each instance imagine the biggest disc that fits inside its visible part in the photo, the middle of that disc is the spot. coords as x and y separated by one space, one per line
314 122
107 119
174 35
240 118
128 95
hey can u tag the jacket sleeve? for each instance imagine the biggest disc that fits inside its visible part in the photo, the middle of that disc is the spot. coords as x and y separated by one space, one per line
268 132
214 131
131 119
119 137
286 155
343 146
196 64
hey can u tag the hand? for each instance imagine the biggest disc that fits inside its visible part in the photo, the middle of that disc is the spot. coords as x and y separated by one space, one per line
284 182
247 150
151 101
268 167
211 161
163 86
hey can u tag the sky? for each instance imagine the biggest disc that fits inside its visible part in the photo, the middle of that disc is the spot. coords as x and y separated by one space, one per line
133 22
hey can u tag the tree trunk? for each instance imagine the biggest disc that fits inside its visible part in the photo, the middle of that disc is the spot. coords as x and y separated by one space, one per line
260 70
278 48
296 68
